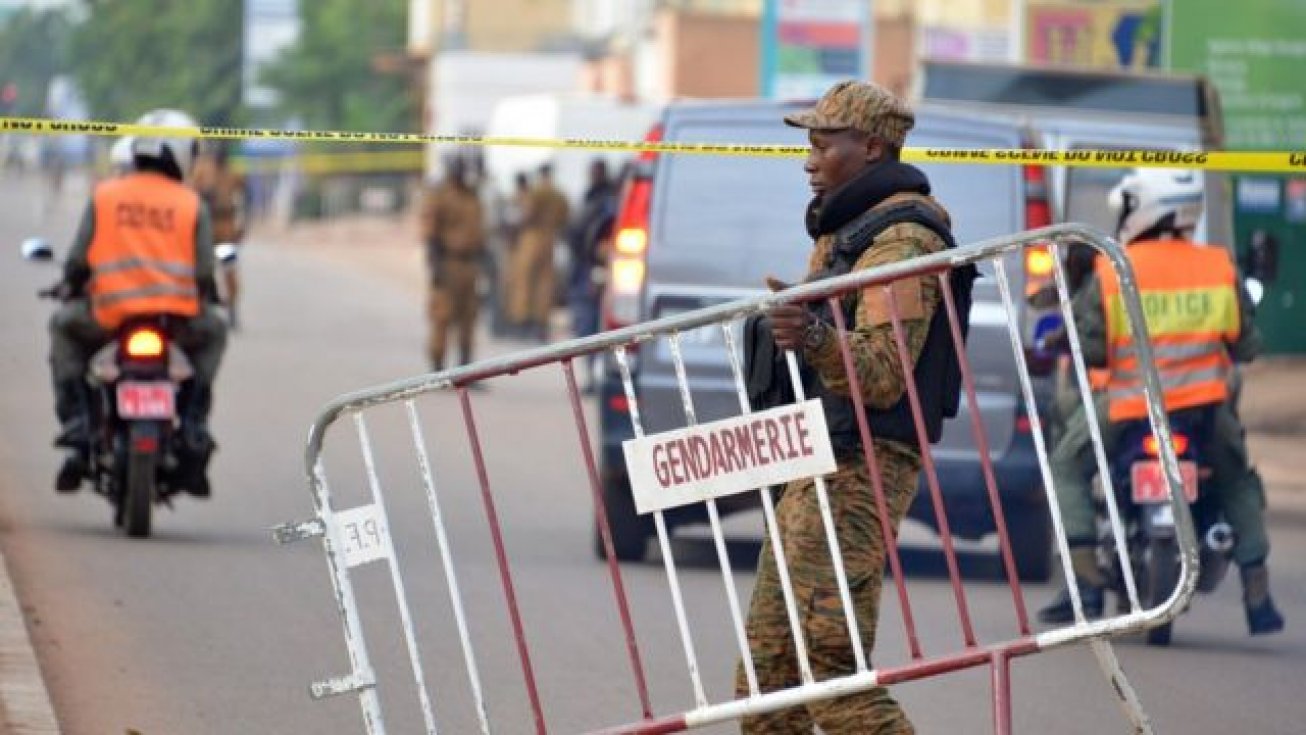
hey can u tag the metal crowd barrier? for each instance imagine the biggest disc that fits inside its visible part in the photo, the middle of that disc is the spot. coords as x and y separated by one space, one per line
355 536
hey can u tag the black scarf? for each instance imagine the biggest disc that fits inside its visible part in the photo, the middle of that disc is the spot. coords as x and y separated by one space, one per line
877 182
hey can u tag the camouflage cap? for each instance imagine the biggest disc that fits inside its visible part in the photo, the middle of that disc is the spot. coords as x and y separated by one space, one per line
862 106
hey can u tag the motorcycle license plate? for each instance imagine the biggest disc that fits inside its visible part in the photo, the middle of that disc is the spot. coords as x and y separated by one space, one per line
1148 481
146 400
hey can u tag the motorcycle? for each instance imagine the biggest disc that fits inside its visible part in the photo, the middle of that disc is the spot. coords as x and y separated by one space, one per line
134 387
1143 498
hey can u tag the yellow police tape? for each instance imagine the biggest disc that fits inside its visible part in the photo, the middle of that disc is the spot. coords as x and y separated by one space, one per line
1241 161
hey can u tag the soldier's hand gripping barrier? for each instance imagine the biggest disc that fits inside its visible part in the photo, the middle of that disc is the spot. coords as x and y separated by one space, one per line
467 688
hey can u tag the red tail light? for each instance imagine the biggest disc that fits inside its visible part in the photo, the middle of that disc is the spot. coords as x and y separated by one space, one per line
619 403
1153 448
1038 213
630 243
144 343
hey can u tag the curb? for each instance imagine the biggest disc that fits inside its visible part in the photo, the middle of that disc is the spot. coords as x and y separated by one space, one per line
25 707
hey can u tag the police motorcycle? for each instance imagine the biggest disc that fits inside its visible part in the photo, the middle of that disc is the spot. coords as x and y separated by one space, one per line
1143 498
135 384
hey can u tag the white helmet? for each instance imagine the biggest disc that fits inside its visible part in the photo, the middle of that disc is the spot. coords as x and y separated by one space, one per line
1156 199
182 151
120 155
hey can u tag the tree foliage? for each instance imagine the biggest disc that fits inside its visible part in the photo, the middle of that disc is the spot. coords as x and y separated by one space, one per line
130 57
328 79
33 49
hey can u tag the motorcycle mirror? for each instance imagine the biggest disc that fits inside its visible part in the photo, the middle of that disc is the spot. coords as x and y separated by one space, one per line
37 249
1255 289
226 253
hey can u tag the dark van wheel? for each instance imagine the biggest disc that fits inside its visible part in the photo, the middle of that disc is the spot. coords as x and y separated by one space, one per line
630 531
1030 530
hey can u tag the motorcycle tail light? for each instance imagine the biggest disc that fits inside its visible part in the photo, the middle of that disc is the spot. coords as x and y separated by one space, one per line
145 343
1153 448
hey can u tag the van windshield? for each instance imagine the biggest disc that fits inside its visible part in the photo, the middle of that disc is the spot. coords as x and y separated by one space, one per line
736 219
721 210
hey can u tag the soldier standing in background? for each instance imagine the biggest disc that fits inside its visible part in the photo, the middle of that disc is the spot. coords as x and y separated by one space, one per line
532 296
507 229
453 230
223 190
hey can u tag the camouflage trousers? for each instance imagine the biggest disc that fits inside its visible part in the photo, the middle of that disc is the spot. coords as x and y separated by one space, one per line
816 593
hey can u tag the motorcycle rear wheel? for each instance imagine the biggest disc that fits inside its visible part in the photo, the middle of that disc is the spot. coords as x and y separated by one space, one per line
1162 577
138 499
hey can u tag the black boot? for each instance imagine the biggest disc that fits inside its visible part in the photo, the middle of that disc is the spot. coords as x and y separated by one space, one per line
73 410
195 445
1061 610
1092 589
1262 616
72 407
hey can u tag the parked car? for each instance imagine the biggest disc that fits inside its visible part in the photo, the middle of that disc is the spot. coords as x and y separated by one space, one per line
696 231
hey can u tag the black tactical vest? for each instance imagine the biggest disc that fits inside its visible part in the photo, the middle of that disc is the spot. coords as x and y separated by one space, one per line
937 372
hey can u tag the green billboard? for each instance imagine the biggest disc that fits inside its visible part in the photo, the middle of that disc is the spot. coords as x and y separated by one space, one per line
1255 53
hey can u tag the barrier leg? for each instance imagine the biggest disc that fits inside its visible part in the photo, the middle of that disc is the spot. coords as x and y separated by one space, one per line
1000 664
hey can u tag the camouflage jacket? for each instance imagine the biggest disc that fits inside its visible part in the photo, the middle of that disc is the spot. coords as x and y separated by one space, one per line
871 339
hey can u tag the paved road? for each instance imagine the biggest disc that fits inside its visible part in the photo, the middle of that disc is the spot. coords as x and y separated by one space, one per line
210 628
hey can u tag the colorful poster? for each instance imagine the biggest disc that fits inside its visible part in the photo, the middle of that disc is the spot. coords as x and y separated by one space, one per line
808 45
941 43
1104 34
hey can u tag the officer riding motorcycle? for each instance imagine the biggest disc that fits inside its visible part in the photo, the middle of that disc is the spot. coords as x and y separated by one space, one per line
143 250
1199 320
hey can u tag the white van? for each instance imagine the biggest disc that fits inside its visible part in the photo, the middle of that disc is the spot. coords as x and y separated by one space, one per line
1069 109
554 116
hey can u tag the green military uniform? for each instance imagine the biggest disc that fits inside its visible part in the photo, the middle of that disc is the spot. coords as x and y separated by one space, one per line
544 216
223 190
453 227
1242 497
75 334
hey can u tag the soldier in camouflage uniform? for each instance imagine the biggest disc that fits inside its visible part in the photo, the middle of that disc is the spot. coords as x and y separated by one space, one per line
856 131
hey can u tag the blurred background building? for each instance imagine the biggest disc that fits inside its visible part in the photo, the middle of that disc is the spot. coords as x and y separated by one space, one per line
445 66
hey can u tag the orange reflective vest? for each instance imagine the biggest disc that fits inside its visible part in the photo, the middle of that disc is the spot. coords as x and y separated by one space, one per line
1190 303
142 254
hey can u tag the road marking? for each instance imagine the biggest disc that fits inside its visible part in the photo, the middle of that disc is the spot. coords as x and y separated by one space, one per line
25 707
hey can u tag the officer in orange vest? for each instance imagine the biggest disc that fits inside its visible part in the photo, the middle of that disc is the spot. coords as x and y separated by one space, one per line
144 246
1199 319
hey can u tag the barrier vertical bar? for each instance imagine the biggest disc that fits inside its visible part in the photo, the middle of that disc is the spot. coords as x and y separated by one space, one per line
714 519
501 557
831 536
772 524
877 482
446 559
664 542
1036 430
396 578
986 458
927 459
1000 664
347 605
614 569
1094 429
